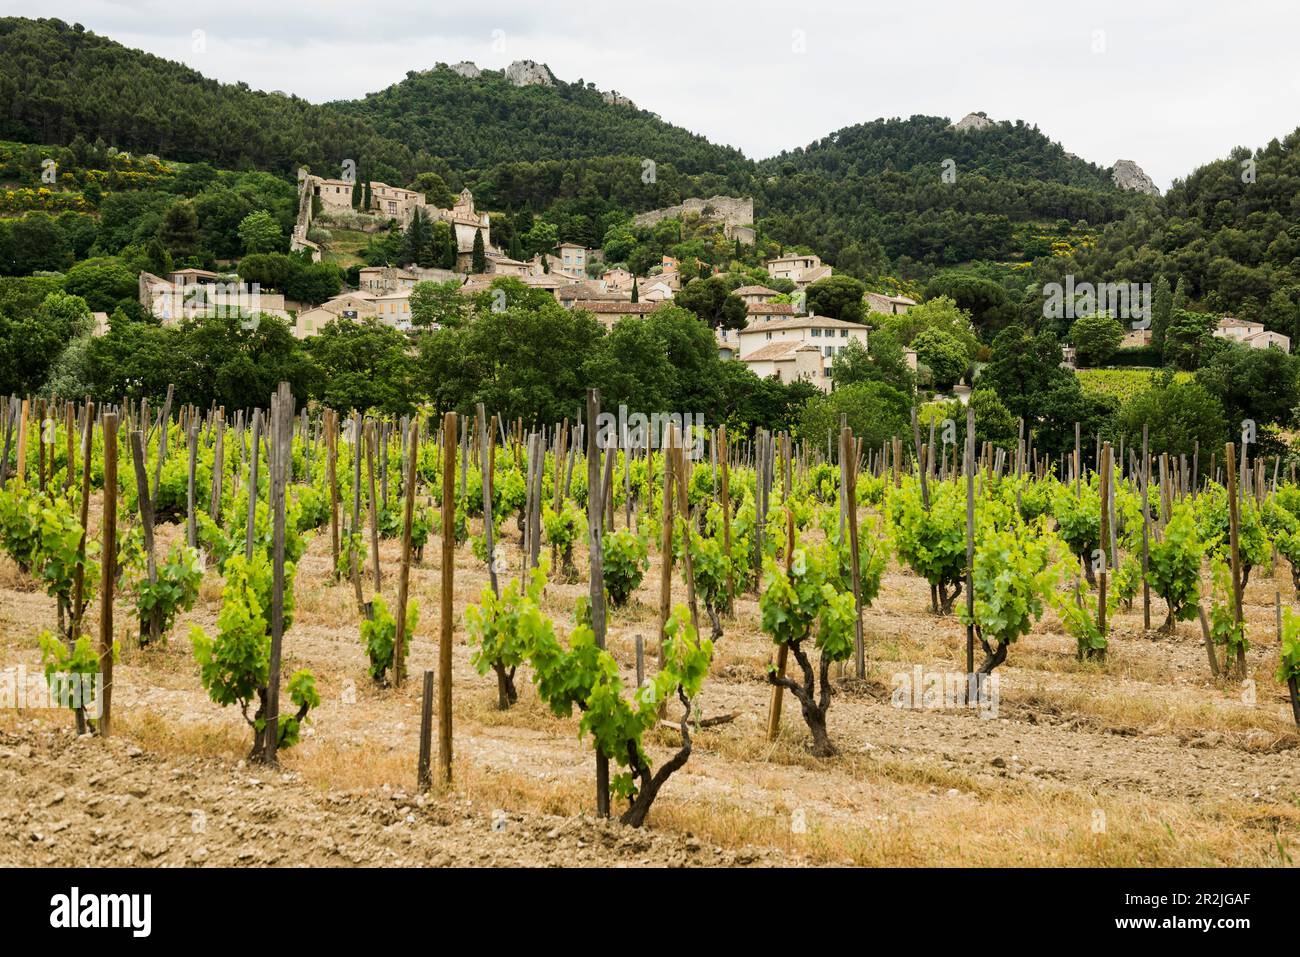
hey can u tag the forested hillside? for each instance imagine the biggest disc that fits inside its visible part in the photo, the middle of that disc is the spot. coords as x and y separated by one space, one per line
869 198
477 122
878 190
1230 231
58 81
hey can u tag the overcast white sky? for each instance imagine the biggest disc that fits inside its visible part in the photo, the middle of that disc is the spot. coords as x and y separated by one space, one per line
1168 84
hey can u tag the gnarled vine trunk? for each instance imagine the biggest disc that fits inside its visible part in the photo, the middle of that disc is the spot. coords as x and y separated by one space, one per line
812 705
649 784
506 693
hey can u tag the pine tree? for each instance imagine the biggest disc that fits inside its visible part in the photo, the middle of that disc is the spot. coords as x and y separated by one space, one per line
1162 304
478 259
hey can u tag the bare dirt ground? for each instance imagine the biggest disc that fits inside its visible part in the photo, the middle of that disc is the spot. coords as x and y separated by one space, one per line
1142 761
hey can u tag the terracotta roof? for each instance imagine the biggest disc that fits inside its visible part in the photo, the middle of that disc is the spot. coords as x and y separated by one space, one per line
815 273
1228 322
770 309
589 290
779 351
801 322
754 291
900 300
547 281
617 308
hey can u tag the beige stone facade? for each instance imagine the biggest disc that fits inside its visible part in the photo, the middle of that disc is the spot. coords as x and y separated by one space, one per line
770 346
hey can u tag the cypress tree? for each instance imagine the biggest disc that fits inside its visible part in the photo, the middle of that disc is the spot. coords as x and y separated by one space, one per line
478 259
1162 305
416 245
357 192
636 296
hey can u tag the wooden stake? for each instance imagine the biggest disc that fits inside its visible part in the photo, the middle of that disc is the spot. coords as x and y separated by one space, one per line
404 575
447 610
108 571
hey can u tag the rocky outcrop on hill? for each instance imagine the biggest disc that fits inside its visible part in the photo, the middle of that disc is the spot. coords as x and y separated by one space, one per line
972 121
529 73
465 68
1128 175
615 98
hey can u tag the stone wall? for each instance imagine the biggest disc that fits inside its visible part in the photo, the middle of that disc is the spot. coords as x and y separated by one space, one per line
733 212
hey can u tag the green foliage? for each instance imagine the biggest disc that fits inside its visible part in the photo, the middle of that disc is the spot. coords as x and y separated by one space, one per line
1174 565
504 629
379 635
1288 668
1012 576
175 589
1095 339
1225 630
626 559
932 543
20 516
1078 519
234 665
791 604
59 551
61 664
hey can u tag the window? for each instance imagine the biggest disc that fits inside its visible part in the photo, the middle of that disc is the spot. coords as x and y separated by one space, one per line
844 333
828 351
816 333
769 335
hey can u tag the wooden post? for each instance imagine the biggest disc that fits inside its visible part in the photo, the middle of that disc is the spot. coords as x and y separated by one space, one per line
1146 531
486 442
723 456
423 776
783 652
969 466
1234 527
218 467
22 443
404 575
666 546
79 575
146 526
253 458
1104 479
447 611
191 520
107 571
374 503
165 418
68 428
595 533
920 464
684 513
330 424
849 471
281 455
